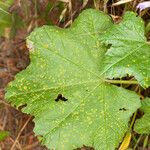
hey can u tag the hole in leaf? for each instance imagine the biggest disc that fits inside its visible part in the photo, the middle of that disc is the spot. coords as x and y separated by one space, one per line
60 97
123 109
109 45
22 106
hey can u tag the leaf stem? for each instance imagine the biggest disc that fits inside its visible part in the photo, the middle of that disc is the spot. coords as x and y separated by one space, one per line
133 120
122 81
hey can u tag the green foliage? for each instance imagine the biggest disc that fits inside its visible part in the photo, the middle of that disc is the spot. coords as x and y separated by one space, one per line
130 52
9 20
147 28
3 135
5 16
4 5
71 62
143 125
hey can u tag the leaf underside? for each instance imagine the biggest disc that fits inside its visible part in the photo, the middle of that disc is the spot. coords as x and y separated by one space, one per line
68 64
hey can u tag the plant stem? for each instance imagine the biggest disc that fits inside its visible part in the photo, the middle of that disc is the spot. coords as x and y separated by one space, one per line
137 142
133 120
122 81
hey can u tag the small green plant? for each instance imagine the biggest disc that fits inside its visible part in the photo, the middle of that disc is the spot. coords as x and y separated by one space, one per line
68 85
3 135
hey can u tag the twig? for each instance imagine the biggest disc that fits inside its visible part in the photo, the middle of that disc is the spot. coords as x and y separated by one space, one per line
28 147
12 148
17 144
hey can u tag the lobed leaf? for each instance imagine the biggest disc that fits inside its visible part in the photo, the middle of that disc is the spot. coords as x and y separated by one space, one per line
129 53
66 64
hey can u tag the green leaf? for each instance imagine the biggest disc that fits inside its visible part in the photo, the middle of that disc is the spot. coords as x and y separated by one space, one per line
9 20
5 16
69 62
142 126
129 52
5 5
3 135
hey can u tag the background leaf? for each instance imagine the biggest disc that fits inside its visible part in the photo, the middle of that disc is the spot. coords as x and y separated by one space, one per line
69 62
10 21
129 52
3 135
142 126
5 16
